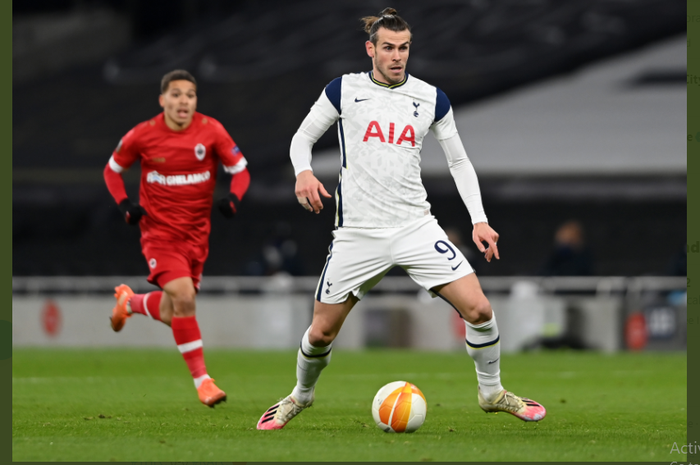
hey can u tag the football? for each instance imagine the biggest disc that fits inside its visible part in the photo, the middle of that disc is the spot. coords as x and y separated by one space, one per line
399 407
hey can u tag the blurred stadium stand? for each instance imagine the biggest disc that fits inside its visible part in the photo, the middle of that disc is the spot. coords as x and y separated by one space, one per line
525 77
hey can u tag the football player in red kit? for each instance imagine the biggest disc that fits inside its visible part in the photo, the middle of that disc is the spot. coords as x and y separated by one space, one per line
179 151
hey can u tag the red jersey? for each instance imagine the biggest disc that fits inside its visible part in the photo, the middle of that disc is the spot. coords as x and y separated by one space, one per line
178 174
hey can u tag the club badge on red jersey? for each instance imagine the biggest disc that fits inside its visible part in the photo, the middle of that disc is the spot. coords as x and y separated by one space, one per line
200 151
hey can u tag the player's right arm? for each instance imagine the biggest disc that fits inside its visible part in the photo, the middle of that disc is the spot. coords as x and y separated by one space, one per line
122 158
323 114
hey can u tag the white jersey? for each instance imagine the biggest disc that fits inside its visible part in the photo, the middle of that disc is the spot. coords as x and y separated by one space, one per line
381 129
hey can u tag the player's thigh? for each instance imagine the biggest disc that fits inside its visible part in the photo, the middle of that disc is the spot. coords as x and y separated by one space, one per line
467 297
182 294
180 288
428 256
357 260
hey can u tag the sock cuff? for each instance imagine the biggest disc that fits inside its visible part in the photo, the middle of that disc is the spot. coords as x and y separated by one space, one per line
483 327
482 335
151 304
482 345
312 351
184 322
145 305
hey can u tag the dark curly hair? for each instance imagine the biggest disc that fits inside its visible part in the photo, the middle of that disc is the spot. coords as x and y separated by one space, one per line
176 75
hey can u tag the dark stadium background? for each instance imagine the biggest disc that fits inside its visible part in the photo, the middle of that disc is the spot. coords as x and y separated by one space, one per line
74 97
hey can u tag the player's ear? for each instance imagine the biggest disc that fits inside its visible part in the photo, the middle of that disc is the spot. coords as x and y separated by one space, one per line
370 48
160 101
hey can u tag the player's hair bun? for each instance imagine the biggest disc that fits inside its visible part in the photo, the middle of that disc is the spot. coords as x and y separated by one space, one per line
388 18
369 22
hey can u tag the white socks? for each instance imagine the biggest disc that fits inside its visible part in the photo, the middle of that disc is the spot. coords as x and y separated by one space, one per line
483 345
310 362
198 381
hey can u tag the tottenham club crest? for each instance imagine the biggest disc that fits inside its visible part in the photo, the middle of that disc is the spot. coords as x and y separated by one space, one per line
200 151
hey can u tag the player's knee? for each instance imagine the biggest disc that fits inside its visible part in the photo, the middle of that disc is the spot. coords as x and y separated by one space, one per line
184 303
479 312
319 337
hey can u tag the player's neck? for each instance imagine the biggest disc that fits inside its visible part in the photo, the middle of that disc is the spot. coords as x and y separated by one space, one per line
380 78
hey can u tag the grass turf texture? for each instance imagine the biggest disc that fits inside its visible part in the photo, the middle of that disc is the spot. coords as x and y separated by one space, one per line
141 405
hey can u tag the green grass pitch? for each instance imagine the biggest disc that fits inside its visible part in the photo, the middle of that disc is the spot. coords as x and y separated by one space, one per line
141 405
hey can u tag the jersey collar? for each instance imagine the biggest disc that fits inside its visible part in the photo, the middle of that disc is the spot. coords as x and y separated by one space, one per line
388 86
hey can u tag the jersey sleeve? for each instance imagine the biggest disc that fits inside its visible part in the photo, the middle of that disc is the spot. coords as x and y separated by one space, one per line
324 113
444 125
126 153
123 156
465 178
332 92
230 155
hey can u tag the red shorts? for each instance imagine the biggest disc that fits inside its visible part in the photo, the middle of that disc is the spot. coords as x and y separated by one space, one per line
172 260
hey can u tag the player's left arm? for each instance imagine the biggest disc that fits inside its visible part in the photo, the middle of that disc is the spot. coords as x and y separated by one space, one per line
465 177
235 164
229 205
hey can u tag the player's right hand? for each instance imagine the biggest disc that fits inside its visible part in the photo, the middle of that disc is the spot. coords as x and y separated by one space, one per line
132 211
307 191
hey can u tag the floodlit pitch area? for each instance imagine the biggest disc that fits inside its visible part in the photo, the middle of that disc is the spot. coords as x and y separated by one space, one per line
140 405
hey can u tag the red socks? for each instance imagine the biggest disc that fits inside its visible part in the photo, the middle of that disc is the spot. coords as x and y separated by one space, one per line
147 304
185 330
189 342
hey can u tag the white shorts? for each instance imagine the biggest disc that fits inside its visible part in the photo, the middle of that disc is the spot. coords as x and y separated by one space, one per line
359 258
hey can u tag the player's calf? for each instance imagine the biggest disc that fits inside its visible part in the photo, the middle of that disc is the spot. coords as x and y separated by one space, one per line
147 304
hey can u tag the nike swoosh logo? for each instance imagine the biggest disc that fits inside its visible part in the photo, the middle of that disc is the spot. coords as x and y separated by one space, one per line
455 267
360 100
492 361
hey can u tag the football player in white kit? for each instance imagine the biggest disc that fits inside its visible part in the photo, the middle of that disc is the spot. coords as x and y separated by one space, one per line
383 218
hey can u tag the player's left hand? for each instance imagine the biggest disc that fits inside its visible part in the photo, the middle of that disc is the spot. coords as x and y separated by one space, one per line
483 233
228 206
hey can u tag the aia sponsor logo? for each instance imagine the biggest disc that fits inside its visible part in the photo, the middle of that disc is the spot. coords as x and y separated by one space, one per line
408 135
